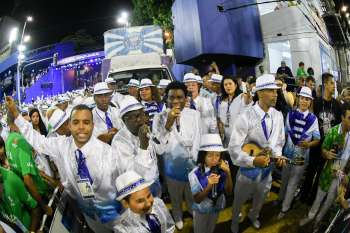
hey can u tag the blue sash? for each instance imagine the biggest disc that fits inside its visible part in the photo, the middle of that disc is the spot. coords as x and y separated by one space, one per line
297 121
252 173
203 180
106 211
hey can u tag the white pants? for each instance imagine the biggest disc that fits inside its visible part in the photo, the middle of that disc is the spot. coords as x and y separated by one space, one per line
244 189
291 176
331 196
204 223
177 190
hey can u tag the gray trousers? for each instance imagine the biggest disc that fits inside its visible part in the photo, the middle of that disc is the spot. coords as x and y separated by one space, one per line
177 190
244 189
330 196
291 176
204 223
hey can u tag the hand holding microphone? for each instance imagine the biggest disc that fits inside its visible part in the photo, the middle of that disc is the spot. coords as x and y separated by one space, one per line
173 117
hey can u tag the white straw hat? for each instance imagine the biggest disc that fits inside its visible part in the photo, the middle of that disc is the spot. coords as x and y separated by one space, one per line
101 88
146 82
163 83
128 183
266 81
57 119
306 92
133 83
211 142
128 104
216 78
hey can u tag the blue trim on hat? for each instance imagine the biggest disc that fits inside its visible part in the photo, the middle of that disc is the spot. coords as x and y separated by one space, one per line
266 84
307 94
130 187
124 110
146 85
190 80
59 121
212 145
104 89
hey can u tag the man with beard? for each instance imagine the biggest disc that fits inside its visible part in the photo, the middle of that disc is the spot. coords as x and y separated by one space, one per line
144 213
138 149
106 118
263 125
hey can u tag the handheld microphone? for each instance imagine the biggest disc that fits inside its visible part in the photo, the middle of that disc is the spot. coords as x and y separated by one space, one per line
177 122
214 191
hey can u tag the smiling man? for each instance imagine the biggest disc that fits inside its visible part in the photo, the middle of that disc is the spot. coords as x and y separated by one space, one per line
144 213
89 164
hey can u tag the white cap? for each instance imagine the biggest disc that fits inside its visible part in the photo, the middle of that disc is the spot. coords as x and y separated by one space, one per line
57 119
306 92
163 83
190 77
101 88
133 83
211 142
128 183
128 104
146 82
265 81
109 80
216 78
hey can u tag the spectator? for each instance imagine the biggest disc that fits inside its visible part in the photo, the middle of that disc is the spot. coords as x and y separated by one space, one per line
310 83
301 70
284 69
310 71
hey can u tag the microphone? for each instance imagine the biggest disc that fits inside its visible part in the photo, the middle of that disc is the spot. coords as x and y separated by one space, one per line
214 190
177 122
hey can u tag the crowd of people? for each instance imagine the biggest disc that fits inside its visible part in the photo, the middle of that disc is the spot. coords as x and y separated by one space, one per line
116 158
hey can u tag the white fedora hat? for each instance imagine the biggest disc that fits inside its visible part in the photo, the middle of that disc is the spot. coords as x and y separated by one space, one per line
109 80
57 119
133 83
190 77
216 78
306 92
128 104
101 88
163 83
146 82
128 183
265 81
211 142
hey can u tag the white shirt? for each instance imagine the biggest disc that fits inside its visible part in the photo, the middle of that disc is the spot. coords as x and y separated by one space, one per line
100 126
101 162
228 113
130 222
248 128
117 98
181 147
144 162
207 115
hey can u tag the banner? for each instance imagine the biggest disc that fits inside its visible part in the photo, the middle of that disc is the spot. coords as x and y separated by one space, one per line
133 40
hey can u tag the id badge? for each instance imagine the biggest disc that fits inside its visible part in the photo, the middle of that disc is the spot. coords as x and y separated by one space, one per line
85 189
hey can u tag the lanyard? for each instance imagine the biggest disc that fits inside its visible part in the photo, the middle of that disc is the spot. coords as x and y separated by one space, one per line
104 120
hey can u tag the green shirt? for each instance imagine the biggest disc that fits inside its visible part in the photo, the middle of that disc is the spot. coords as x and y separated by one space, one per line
333 137
16 200
301 72
20 157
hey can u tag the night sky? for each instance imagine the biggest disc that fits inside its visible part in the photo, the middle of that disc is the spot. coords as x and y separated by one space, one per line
54 20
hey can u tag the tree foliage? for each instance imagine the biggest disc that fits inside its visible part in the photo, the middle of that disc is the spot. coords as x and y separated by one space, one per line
157 12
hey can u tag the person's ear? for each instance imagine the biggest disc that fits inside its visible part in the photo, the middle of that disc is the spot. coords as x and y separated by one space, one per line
125 204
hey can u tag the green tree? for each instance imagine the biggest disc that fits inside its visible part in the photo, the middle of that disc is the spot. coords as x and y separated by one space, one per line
157 12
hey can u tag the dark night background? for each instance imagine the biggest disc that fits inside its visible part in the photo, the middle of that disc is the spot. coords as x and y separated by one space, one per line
53 20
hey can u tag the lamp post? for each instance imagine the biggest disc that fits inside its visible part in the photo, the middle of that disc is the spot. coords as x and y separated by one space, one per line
21 56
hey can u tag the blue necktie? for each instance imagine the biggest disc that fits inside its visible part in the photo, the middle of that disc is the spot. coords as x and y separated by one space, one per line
83 171
263 124
108 122
153 223
192 105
